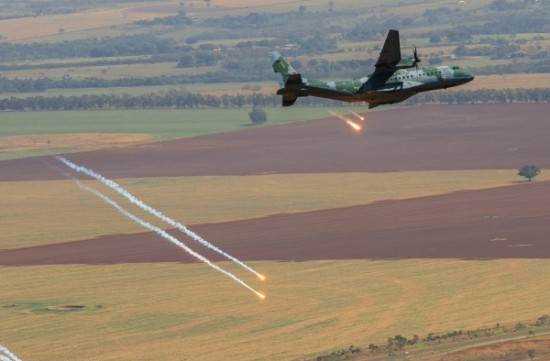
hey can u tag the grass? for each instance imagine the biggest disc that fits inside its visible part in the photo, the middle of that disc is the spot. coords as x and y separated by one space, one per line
194 200
158 124
161 124
173 312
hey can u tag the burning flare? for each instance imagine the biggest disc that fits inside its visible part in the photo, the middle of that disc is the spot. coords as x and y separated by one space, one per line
354 125
359 116
133 199
144 223
261 276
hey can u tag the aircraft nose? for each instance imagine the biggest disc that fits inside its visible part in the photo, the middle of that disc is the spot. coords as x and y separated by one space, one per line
465 75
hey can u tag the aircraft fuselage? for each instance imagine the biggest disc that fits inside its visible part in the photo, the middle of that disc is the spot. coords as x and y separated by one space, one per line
393 80
400 85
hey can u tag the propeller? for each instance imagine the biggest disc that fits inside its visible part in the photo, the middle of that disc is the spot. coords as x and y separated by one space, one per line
416 59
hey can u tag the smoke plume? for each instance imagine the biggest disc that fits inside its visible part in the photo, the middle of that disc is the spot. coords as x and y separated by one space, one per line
165 235
8 355
115 186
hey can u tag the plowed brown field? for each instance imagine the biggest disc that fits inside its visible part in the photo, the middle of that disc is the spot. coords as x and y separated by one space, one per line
507 222
446 137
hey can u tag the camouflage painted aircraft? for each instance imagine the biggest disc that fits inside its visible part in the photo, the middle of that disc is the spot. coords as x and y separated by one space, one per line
394 79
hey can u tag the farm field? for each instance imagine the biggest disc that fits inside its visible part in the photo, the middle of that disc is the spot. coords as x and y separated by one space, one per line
510 81
33 133
103 17
376 226
32 28
403 139
198 199
416 225
175 311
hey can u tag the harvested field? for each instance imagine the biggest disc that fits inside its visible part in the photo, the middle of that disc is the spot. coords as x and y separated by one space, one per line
506 222
18 143
31 28
171 312
508 81
442 137
428 264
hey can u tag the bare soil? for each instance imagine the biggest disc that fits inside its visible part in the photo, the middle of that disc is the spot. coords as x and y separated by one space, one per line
506 222
504 136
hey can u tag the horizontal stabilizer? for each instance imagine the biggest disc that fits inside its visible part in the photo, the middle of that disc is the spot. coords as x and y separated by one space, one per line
289 99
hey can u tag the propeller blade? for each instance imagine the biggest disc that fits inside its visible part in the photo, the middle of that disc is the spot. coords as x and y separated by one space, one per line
416 59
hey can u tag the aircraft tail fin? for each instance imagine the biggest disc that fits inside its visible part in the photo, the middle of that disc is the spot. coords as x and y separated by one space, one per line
290 81
282 68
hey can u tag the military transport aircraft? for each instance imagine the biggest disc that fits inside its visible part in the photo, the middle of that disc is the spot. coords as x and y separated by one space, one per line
394 79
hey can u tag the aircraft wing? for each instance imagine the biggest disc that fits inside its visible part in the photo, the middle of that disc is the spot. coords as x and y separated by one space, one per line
391 52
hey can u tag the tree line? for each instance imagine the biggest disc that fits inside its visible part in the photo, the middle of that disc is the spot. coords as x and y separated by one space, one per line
237 70
67 82
124 45
181 99
400 342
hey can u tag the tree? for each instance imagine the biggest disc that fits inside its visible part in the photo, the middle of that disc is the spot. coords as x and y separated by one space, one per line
373 347
435 38
257 116
529 171
400 340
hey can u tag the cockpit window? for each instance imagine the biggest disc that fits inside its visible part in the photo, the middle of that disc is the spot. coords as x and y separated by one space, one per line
456 68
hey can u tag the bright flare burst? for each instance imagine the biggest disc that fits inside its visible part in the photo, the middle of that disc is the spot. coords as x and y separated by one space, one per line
262 277
261 295
359 116
355 126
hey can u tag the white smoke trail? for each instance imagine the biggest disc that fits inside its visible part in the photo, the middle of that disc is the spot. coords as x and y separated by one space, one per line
10 356
165 235
117 187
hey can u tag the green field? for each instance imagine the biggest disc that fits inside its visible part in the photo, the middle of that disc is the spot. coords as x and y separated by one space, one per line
190 312
159 124
162 124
